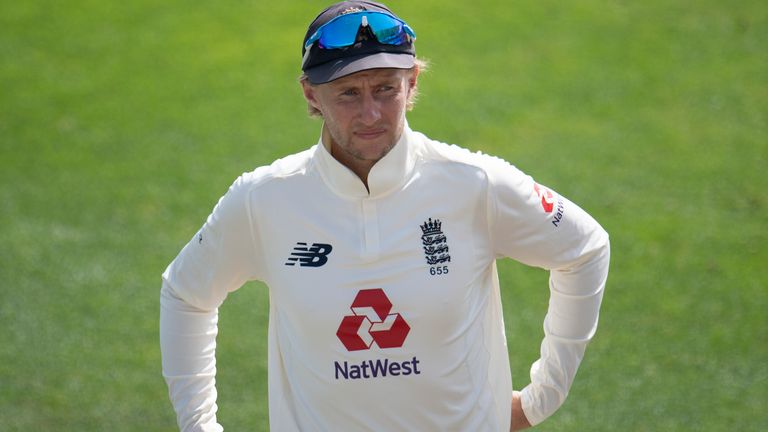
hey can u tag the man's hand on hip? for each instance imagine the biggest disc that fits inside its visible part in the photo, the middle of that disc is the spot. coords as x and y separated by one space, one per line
519 421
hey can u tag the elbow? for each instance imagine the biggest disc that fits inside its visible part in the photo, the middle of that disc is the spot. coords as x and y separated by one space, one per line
599 254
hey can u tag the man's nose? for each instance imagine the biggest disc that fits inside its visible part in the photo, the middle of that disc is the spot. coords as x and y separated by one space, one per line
371 109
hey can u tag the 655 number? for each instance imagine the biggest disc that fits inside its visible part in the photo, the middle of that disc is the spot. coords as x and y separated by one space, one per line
438 270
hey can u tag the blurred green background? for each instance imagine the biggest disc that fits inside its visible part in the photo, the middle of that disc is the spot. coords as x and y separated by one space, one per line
122 123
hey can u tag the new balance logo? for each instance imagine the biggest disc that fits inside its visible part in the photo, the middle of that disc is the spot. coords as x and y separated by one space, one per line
312 256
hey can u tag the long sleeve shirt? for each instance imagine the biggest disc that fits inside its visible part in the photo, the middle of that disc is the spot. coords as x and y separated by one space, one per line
385 309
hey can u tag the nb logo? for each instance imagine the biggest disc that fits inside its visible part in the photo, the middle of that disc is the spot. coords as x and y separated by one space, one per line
312 256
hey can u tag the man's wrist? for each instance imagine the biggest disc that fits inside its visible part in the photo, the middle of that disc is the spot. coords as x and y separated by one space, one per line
519 420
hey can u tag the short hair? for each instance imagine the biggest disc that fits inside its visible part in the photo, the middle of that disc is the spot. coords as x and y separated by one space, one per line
422 64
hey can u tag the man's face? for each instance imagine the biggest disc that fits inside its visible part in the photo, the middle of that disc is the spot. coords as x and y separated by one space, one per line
364 112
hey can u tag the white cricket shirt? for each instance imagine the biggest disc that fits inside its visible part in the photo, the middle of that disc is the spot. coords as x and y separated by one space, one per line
385 311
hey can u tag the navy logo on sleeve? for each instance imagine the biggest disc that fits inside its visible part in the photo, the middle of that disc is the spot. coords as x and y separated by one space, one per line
548 203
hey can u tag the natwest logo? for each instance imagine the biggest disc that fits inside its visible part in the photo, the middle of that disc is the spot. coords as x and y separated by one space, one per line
372 322
547 197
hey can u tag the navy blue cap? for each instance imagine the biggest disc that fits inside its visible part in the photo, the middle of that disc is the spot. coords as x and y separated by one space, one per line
324 65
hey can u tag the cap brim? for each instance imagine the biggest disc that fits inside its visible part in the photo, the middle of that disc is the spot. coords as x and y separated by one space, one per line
345 66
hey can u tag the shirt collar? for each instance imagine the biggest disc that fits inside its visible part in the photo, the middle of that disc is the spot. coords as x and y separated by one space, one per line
389 173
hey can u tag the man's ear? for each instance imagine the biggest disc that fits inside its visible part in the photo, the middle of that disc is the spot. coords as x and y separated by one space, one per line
310 94
413 78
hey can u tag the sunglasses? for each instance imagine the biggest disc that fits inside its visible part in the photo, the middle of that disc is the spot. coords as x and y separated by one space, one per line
342 31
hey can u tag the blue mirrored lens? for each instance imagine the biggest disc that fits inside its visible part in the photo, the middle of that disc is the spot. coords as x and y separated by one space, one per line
342 31
386 29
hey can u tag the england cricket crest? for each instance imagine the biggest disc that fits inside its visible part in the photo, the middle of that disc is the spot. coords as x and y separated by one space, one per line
435 244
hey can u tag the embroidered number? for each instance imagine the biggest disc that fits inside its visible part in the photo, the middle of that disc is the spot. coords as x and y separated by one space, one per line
438 270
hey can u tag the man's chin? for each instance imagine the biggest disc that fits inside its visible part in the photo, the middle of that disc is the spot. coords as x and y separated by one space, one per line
373 151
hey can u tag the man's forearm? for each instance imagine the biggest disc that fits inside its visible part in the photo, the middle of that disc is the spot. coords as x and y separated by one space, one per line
571 321
188 345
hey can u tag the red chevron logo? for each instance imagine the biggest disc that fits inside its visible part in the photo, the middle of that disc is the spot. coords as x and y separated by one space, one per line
547 197
372 322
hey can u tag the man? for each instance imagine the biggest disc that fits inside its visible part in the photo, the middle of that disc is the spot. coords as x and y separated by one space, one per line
378 246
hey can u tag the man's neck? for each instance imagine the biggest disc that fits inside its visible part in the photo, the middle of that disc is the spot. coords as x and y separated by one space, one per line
360 167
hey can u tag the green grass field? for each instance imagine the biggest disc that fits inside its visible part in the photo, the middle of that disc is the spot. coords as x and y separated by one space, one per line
122 123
